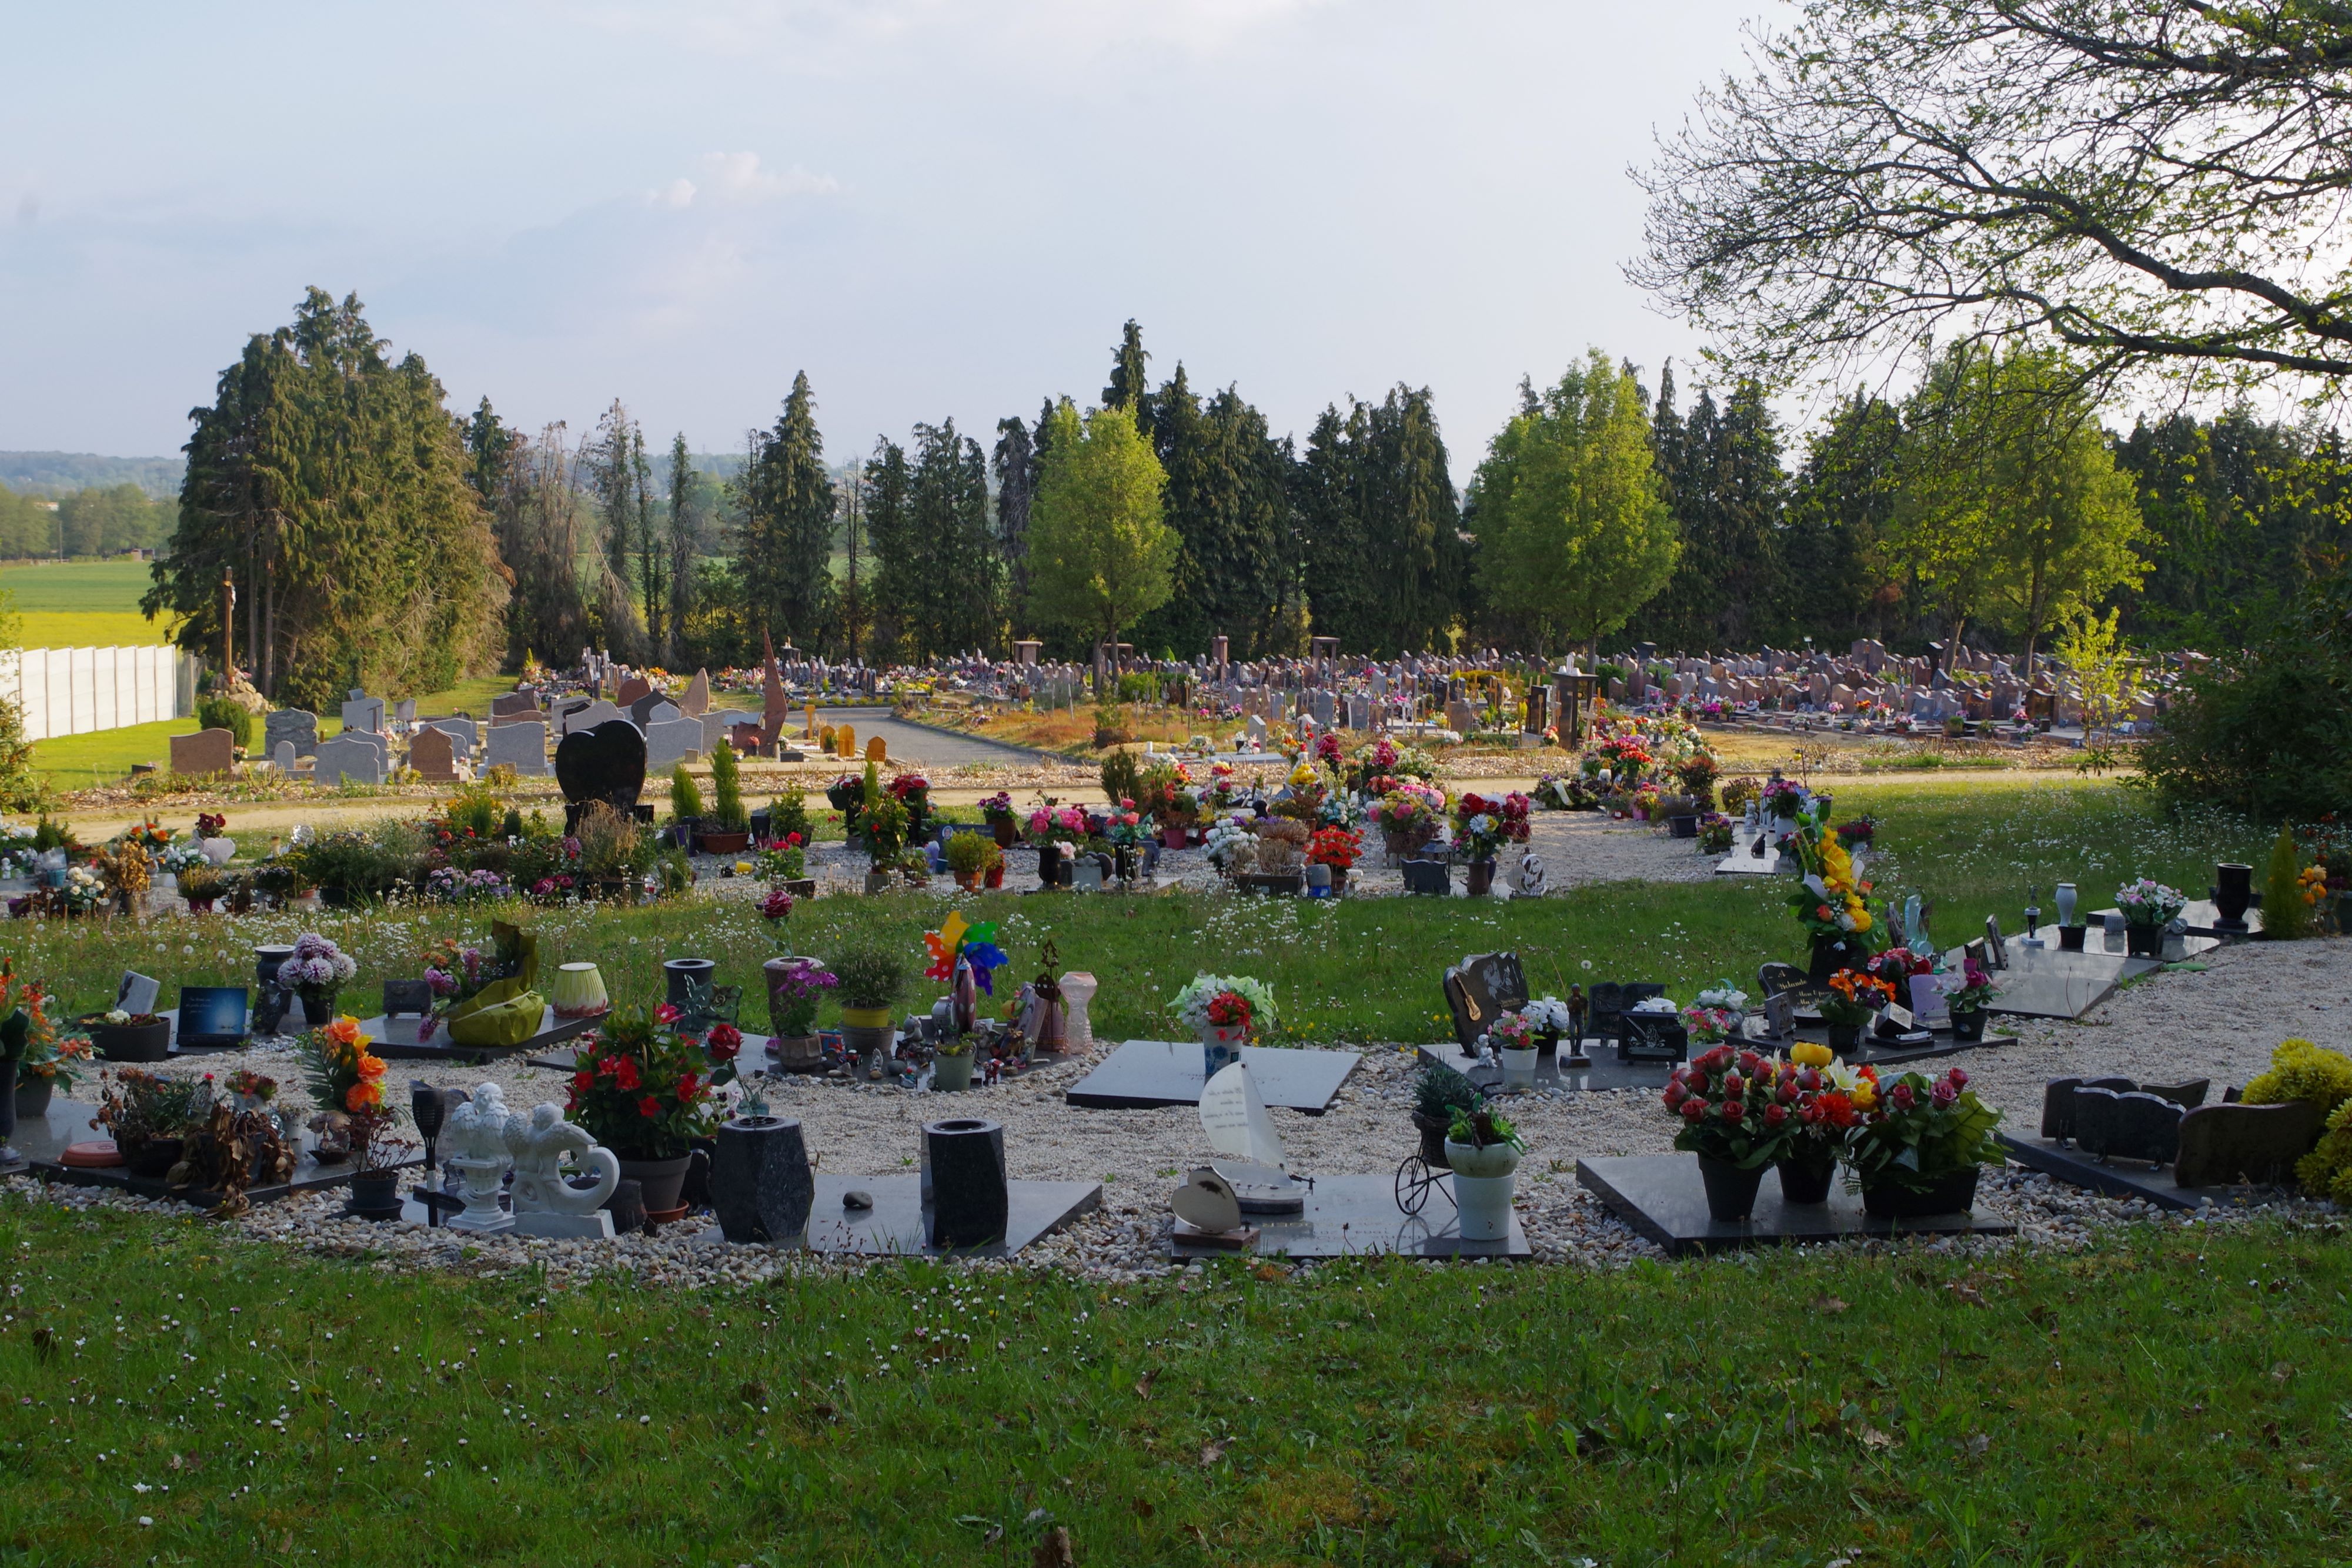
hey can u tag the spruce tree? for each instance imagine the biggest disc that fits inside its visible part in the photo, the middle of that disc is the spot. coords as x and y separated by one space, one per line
1016 464
684 524
784 548
1129 389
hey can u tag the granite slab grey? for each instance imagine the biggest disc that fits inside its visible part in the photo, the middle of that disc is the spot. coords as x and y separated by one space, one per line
1143 1074
1661 1196
1356 1216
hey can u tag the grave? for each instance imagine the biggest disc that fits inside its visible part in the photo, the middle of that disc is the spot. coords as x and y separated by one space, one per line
207 752
434 755
463 731
521 745
363 712
895 1226
293 725
672 741
589 717
283 757
648 707
2203 921
1744 859
697 700
43 1141
1352 1216
2163 1144
510 708
632 689
1144 1074
394 1039
1662 1198
347 756
606 763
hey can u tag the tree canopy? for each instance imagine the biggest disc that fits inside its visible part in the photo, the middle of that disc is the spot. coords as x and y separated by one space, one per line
1100 557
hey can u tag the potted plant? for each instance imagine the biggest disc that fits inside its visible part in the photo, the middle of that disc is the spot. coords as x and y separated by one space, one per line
870 978
119 1036
316 972
727 830
211 831
1714 833
378 1152
1679 812
1967 1001
1337 848
1783 799
251 1090
879 824
1856 996
1513 1039
643 1091
1407 816
1438 1092
1483 1150
1717 1013
1004 822
971 857
1226 1012
1920 1144
1827 1101
1829 900
611 851
344 1077
1055 831
149 1116
1482 827
2149 906
1732 1120
1859 833
685 805
50 1062
795 987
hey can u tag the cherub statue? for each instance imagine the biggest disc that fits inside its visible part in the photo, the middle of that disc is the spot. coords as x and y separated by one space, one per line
539 1146
476 1138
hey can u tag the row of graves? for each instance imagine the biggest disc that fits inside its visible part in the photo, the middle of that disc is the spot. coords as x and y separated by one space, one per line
1852 1066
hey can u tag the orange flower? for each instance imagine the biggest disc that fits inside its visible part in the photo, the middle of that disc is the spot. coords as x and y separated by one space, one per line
360 1096
369 1066
344 1030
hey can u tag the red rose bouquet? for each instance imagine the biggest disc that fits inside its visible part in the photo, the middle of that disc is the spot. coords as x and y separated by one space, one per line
1731 1107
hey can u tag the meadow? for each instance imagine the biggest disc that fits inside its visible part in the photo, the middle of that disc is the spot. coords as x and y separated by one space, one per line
84 604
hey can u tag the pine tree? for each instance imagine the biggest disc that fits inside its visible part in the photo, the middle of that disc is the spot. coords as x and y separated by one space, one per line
684 525
610 462
784 551
888 536
1387 561
539 530
1838 583
1016 464
1129 389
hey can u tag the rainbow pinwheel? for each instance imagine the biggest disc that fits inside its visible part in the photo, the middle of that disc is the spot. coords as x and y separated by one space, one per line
955 941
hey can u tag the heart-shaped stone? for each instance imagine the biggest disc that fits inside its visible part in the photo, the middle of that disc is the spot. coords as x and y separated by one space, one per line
606 762
1206 1203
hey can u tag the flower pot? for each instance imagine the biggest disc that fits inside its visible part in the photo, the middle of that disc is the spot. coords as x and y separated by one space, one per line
375 1195
1004 832
627 1208
579 992
677 975
1483 1182
722 843
1433 1131
1730 1191
153 1157
878 881
1049 865
1683 827
1955 1192
1844 1037
1173 837
867 1033
1339 880
993 876
971 1199
2066 900
1969 1025
1520 1068
1482 878
2143 941
32 1098
1220 1048
760 1186
2233 892
2069 938
951 1072
659 1181
131 1041
1831 954
318 1007
1805 1173
969 880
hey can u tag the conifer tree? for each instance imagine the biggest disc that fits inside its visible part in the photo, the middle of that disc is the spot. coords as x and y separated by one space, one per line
1129 389
784 544
685 527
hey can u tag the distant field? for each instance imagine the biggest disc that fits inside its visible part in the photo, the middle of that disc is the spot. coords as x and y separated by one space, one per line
84 604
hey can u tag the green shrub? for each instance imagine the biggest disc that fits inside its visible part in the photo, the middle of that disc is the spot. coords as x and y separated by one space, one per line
474 807
2286 917
2327 1171
727 787
788 814
1438 1090
2302 1070
219 713
870 977
971 852
685 797
1122 777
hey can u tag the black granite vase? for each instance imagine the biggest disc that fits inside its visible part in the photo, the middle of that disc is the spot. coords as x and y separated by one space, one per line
760 1186
970 1201
2234 894
679 973
626 1206
1730 1191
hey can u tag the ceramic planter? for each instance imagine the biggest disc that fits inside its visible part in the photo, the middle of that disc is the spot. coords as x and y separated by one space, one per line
1955 1192
152 1157
1220 1048
1520 1068
318 1007
951 1072
1730 1191
1844 1037
1003 830
994 875
867 1033
1683 827
375 1195
1483 1182
131 1041
722 843
2233 892
658 1181
579 992
677 974
760 1186
2143 941
32 1097
1049 865
1482 878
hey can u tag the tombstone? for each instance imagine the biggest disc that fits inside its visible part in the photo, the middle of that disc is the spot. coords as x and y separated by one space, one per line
877 750
464 732
363 712
207 752
521 745
634 689
509 706
1359 713
294 724
347 756
606 763
672 741
696 701
597 713
1256 733
641 712
1459 717
434 754
1327 711
2222 1144
282 757
1538 717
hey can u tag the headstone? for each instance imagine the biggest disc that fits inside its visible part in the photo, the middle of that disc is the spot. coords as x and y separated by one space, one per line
634 689
589 717
137 992
671 742
282 757
363 712
696 701
1256 733
434 754
521 745
877 750
207 752
641 712
509 706
606 763
845 742
347 756
463 731
293 725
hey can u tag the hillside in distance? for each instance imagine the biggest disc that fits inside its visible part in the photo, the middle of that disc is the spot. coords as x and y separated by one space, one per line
56 475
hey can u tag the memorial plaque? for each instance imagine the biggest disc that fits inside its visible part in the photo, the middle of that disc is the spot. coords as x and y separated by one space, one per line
202 753
1144 1073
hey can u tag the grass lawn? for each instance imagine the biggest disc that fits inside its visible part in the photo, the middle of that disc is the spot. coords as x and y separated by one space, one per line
2177 1396
84 604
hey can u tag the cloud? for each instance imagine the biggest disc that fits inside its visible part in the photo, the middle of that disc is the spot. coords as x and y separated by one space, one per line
736 179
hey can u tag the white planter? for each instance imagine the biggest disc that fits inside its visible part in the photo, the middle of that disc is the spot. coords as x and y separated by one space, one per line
1494 1160
1519 1068
1220 1049
1079 989
1484 1183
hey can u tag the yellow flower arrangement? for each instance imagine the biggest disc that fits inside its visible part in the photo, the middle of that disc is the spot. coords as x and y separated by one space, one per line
1808 1053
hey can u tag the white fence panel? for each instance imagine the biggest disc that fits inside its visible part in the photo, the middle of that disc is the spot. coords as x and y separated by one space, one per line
75 691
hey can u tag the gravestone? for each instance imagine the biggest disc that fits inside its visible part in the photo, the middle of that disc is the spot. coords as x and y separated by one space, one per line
671 742
632 689
282 757
877 750
1256 733
641 712
463 731
597 713
404 711
521 745
1325 709
347 756
434 754
293 725
512 707
606 763
696 701
363 712
2224 1144
1460 717
207 752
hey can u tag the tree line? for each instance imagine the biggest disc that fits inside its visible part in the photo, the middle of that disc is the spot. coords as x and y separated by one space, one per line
95 520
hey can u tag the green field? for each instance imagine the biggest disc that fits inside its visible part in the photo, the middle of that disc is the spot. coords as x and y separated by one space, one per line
84 604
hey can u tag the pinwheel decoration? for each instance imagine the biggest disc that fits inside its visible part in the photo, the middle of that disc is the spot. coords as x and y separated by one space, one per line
966 956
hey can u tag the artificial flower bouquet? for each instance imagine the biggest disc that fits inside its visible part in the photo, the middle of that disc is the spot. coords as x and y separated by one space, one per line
1856 996
1224 1001
1831 902
1335 847
1411 811
1732 1107
317 969
1050 824
1484 825
1511 1030
1918 1131
1782 798
1717 1013
1974 991
2146 902
639 1087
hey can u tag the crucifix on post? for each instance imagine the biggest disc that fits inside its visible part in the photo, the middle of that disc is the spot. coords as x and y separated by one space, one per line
228 627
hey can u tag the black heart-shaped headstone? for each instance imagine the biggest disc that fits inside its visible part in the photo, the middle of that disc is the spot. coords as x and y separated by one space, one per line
604 763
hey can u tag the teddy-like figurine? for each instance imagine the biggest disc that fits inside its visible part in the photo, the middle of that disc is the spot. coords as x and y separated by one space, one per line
539 1146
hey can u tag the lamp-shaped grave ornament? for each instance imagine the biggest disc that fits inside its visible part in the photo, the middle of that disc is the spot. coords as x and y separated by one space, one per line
545 1204
475 1137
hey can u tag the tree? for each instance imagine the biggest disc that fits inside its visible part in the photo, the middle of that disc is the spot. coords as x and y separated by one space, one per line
27 527
1385 564
1573 534
1838 583
2012 503
936 586
109 521
1100 557
784 549
1724 484
1228 498
1016 464
330 481
2146 181
1129 389
538 527
614 463
685 506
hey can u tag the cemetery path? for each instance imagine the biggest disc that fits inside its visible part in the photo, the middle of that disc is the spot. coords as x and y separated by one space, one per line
921 743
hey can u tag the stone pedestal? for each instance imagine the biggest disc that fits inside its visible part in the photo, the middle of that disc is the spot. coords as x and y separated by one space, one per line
1079 989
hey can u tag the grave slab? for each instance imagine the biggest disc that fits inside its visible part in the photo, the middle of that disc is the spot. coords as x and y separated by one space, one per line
2128 1178
2201 917
1661 1196
1144 1074
895 1227
1607 1072
394 1039
1356 1216
42 1141
753 1059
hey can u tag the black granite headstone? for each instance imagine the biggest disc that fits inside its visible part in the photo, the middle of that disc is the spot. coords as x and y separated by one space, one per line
605 762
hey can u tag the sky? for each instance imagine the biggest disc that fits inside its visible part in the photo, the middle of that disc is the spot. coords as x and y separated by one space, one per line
934 209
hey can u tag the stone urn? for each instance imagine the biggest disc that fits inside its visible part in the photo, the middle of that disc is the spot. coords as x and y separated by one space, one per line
971 1199
1079 988
761 1184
